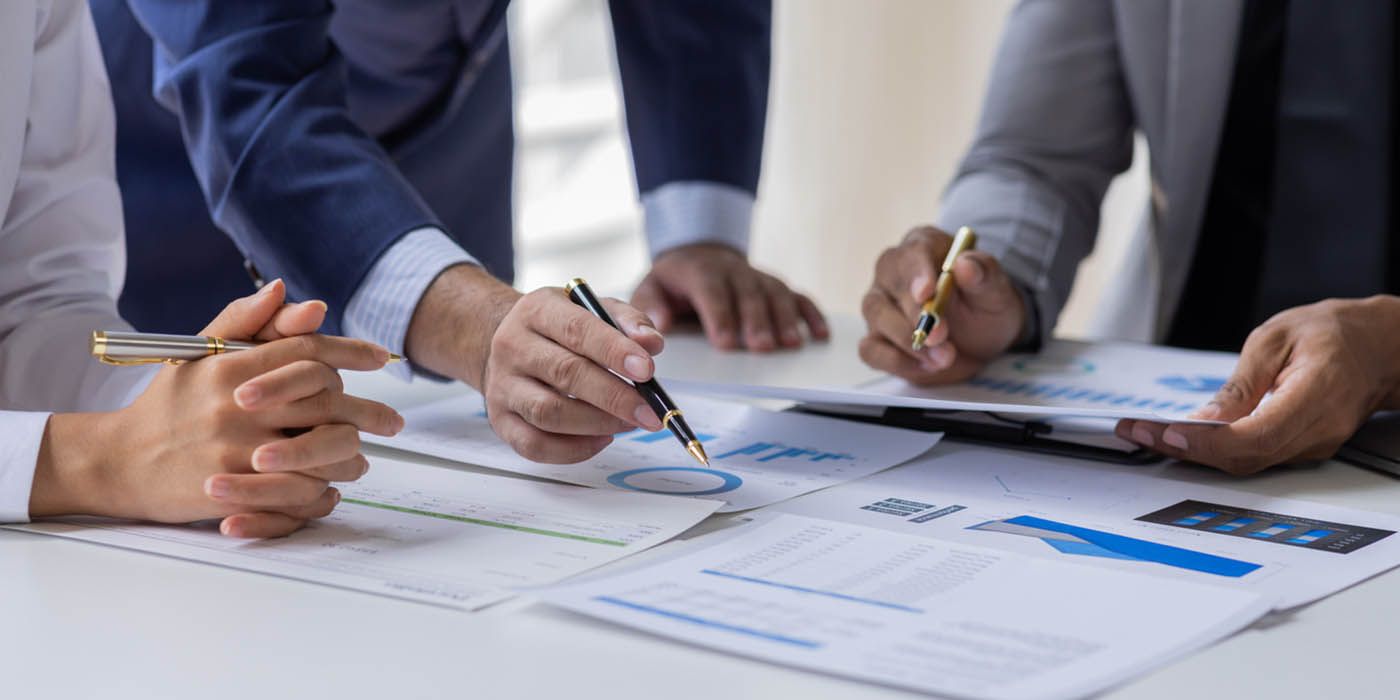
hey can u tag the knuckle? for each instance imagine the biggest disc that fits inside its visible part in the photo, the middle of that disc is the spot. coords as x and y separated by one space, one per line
567 371
306 346
541 411
1235 390
871 304
1269 442
574 330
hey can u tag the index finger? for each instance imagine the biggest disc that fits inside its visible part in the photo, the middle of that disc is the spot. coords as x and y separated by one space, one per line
340 353
586 335
908 272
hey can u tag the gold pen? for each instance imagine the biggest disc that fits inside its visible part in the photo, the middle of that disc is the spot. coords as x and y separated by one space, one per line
122 349
964 241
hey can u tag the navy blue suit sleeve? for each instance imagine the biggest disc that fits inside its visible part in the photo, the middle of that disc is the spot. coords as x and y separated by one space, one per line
695 83
260 91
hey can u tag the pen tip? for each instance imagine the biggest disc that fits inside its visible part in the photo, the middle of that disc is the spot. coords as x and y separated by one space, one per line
919 337
698 452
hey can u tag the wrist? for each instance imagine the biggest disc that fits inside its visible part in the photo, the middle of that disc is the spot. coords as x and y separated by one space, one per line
451 329
74 472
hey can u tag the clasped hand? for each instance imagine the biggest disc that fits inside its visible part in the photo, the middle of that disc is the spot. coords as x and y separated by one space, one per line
253 437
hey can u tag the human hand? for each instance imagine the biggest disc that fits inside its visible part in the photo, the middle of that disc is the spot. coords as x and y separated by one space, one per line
208 439
549 384
983 318
1330 365
732 299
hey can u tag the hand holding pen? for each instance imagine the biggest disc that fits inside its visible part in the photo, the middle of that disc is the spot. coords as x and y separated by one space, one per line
558 380
254 437
980 315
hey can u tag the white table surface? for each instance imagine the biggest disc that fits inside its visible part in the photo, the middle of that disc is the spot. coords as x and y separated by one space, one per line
83 620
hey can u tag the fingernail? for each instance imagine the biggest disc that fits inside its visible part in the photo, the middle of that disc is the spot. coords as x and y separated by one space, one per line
216 488
790 337
1207 412
763 339
647 418
1142 436
1122 430
975 277
655 318
602 442
653 331
315 303
636 367
228 529
247 395
940 355
918 285
1173 437
380 355
267 288
265 460
335 496
398 424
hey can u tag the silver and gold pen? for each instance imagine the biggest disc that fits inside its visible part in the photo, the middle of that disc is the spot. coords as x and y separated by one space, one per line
123 348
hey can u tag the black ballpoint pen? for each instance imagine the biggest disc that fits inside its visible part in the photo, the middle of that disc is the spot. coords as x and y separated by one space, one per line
655 396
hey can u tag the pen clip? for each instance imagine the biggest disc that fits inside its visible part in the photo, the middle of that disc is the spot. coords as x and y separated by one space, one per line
133 361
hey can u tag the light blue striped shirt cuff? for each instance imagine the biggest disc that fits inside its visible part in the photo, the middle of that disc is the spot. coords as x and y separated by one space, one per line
383 305
682 213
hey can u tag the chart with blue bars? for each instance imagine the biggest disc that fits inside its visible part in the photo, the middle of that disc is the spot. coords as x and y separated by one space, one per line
1195 389
1075 540
1264 526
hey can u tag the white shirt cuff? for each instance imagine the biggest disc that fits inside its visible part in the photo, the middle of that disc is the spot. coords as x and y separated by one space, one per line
682 213
19 455
382 307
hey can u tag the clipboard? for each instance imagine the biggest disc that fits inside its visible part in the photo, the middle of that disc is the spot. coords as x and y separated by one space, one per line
974 428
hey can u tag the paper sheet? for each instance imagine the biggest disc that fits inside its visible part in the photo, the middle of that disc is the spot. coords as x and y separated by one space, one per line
757 457
1101 380
429 534
1120 518
908 611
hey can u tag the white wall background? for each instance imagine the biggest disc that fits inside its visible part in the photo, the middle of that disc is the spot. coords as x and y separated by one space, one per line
872 105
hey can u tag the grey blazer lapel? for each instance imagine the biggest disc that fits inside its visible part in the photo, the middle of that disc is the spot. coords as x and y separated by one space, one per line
1202 40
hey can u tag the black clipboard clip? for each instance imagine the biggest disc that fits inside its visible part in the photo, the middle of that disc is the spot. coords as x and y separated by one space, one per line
1001 431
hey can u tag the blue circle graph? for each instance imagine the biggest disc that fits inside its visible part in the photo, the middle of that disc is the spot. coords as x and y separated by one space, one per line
731 481
1204 385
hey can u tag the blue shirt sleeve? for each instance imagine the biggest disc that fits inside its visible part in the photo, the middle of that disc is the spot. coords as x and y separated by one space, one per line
380 310
259 89
682 213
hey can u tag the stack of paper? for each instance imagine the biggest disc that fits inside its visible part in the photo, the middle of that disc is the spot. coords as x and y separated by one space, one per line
429 534
1104 380
757 457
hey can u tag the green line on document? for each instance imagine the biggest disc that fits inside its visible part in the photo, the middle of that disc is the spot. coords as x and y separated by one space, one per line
487 523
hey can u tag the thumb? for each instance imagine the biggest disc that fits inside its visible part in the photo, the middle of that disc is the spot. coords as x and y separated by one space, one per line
1259 365
650 298
636 325
243 318
982 282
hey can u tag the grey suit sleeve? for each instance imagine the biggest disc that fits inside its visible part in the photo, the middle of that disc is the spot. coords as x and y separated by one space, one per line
1055 128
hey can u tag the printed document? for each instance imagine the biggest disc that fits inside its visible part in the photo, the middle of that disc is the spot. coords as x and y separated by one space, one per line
429 534
903 610
1069 378
1123 519
757 457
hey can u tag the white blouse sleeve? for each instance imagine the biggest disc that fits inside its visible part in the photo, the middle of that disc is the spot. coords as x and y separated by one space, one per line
62 247
19 451
62 254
